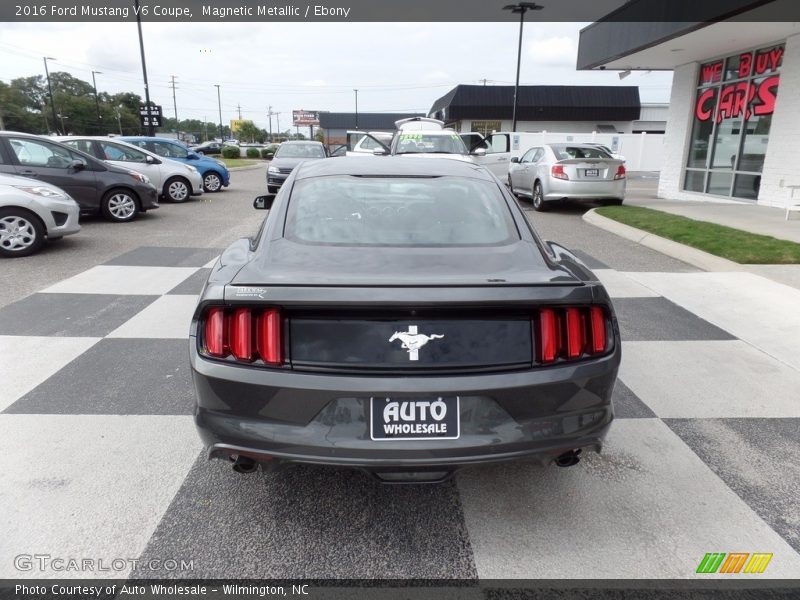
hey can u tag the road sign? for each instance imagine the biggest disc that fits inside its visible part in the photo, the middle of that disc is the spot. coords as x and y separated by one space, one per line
150 116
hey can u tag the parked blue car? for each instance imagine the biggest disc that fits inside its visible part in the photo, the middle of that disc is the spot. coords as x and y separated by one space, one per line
214 172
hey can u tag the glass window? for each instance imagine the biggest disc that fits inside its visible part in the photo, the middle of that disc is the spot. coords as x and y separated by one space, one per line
566 152
719 183
35 153
300 151
528 156
430 143
82 145
732 118
398 211
122 153
695 181
498 143
170 150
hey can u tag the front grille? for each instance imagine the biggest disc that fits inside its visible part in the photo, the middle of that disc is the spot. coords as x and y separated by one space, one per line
285 170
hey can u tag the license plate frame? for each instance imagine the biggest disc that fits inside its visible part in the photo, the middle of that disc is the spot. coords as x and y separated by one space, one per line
591 173
451 418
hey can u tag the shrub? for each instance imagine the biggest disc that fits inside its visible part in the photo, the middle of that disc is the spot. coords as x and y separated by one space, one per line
231 152
269 151
253 153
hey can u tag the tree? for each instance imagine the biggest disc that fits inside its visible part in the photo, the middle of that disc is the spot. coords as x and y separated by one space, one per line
320 135
247 131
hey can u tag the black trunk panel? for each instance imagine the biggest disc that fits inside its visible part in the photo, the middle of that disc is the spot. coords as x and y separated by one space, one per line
466 343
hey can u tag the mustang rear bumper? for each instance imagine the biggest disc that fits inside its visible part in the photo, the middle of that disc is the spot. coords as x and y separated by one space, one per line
318 418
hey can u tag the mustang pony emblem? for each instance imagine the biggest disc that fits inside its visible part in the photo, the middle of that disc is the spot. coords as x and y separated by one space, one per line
413 340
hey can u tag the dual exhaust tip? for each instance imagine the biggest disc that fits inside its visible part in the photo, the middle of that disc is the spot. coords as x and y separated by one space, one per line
245 465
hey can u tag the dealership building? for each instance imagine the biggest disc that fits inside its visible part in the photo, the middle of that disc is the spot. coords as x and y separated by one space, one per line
733 127
552 108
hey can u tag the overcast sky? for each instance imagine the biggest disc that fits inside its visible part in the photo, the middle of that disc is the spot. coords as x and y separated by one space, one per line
313 66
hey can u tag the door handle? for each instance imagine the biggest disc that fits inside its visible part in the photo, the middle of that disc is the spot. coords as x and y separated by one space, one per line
28 173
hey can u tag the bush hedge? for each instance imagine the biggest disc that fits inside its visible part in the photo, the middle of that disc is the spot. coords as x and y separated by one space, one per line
231 152
268 152
253 153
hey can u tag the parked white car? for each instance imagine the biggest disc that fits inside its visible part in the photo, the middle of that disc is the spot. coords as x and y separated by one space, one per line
32 211
174 180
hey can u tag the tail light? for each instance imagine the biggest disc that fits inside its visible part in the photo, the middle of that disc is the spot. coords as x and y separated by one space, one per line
557 171
246 334
620 172
570 333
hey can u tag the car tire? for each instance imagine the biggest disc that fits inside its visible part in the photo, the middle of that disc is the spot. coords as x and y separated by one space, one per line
212 182
613 202
539 203
21 233
511 187
177 189
120 206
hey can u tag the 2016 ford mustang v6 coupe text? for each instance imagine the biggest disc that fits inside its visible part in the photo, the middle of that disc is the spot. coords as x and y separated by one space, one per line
400 316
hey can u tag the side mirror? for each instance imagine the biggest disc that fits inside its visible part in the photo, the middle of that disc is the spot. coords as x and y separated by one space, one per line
151 160
193 155
515 159
200 152
479 152
380 151
263 202
77 165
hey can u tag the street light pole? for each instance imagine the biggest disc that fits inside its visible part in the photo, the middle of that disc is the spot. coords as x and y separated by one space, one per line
356 91
219 105
96 99
269 113
519 8
150 130
50 90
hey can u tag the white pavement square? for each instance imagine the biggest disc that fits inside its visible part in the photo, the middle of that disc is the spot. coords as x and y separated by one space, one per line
648 508
755 309
618 285
27 361
210 264
709 379
95 486
123 280
167 317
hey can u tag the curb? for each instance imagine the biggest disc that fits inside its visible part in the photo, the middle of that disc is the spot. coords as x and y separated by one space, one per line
250 168
693 256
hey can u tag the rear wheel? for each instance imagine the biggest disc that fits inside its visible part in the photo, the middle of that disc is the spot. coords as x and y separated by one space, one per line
21 233
538 197
613 202
511 186
212 182
119 206
177 189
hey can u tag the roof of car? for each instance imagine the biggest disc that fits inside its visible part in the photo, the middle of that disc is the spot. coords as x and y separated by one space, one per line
300 142
392 166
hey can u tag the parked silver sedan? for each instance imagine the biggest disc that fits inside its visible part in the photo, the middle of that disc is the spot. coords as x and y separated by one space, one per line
558 171
30 211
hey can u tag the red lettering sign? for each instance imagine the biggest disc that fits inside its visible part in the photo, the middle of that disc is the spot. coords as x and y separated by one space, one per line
767 91
704 108
711 73
734 100
745 64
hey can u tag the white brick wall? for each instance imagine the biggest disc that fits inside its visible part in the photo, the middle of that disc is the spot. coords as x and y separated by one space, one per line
676 137
781 162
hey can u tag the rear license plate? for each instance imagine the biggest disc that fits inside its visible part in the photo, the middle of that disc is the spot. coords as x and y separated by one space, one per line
592 172
414 419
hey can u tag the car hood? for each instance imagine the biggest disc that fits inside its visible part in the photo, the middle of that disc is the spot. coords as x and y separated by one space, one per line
289 163
290 263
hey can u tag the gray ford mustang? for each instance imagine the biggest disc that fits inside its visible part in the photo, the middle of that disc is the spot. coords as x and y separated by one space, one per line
400 316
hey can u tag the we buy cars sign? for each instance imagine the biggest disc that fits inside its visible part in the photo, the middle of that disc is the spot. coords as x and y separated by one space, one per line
150 115
305 117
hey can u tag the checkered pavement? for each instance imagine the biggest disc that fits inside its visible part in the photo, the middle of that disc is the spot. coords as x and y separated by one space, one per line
99 456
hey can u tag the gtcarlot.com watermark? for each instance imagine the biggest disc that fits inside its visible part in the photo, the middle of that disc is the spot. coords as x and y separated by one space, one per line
48 563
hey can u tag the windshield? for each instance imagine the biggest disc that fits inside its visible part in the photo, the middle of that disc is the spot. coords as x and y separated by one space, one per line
430 143
563 152
300 151
398 211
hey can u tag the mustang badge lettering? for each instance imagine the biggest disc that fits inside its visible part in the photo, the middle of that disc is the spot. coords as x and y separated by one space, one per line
413 340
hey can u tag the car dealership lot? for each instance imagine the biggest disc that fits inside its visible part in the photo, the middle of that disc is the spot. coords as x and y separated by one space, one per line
94 368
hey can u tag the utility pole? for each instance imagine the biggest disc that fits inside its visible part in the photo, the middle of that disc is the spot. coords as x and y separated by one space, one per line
278 117
119 120
239 110
96 99
50 90
356 91
269 114
150 129
205 126
219 105
174 103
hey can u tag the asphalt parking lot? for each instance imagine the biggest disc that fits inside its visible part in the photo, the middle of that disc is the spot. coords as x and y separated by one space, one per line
100 453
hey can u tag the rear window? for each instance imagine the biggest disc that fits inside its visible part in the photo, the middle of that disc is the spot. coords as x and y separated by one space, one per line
398 211
300 151
564 152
